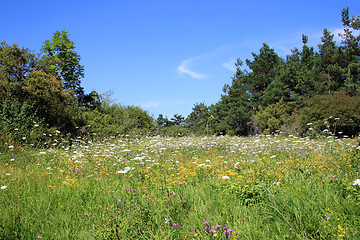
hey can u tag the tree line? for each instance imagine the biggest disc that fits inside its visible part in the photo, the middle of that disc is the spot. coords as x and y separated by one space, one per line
308 93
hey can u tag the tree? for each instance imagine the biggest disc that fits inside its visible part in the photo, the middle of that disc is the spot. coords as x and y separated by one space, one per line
199 117
329 69
263 71
162 121
177 120
69 68
351 49
15 65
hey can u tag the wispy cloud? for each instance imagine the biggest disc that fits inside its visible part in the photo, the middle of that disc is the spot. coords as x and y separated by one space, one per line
186 65
184 69
230 65
152 104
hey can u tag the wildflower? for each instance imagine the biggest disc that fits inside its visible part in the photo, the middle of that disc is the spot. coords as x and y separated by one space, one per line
229 231
3 187
273 156
206 223
217 226
328 217
11 146
225 177
38 237
86 214
167 220
290 228
194 229
119 200
175 224
211 230
180 183
126 169
356 182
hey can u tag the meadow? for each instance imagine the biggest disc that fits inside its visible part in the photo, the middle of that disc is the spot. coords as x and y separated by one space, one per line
261 187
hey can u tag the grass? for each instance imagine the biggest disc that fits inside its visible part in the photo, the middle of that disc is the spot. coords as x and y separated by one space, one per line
182 188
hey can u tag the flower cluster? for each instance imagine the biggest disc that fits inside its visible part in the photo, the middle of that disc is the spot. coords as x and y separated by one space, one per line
217 229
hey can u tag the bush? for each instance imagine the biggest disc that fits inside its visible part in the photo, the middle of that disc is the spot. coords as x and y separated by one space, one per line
271 118
337 114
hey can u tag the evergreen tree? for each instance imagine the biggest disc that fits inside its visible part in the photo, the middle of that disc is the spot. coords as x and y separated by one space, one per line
330 77
199 117
351 49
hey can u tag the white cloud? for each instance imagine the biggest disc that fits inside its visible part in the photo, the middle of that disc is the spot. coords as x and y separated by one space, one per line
230 65
185 65
183 69
152 104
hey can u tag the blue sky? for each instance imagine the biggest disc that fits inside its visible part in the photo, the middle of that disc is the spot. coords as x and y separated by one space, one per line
166 56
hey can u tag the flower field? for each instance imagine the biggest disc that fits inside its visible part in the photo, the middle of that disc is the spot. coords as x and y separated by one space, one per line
260 187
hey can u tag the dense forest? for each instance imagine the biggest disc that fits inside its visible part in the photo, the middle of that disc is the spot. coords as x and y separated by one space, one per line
310 93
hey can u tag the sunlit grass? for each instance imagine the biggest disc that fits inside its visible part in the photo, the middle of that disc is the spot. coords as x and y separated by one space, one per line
176 188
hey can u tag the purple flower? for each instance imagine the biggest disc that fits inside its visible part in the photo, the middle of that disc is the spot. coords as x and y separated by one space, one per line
180 183
167 220
194 229
328 217
211 230
229 231
175 224
119 200
218 226
86 214
206 223
290 228
38 237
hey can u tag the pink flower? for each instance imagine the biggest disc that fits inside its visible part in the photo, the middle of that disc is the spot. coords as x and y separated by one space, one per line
175 224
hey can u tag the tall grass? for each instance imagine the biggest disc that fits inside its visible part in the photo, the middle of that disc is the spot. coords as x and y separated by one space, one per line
182 188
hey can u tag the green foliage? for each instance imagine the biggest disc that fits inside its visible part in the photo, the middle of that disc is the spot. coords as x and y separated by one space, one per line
198 119
68 67
296 80
337 114
117 120
272 118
